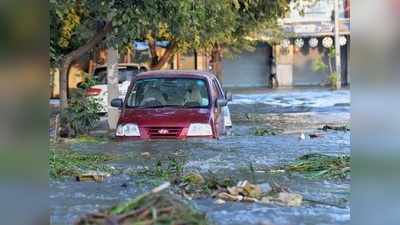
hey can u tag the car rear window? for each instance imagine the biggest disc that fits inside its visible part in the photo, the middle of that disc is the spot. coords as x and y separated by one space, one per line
169 92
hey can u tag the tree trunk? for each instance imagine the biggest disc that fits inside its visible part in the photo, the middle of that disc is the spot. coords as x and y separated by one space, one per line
70 57
196 66
112 86
153 51
330 64
64 82
158 62
216 61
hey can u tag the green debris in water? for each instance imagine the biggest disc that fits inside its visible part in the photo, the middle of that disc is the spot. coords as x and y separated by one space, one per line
263 132
93 139
86 139
164 170
150 208
336 128
194 178
68 163
190 183
203 185
322 166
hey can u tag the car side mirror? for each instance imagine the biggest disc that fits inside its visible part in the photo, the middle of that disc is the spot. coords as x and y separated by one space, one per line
228 96
222 102
117 103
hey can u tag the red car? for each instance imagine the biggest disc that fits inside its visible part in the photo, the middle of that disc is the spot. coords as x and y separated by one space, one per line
173 105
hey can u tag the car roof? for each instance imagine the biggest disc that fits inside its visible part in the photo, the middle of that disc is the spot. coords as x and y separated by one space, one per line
124 64
176 73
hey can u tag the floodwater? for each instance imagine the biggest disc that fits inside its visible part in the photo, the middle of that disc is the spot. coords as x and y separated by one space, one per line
290 112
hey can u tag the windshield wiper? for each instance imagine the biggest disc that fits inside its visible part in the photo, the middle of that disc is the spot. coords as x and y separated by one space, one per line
164 106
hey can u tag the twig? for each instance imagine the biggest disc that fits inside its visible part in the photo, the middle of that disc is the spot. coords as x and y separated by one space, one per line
323 203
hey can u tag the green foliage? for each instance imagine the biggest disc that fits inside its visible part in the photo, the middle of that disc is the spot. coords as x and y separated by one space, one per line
198 24
149 208
210 182
80 116
263 132
74 22
92 139
194 178
331 53
301 6
252 18
67 163
69 24
322 166
87 82
318 65
333 77
173 168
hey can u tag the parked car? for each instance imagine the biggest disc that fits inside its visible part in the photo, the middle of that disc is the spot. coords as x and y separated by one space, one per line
125 74
173 105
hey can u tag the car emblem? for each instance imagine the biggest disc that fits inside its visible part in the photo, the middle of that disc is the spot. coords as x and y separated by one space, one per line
163 131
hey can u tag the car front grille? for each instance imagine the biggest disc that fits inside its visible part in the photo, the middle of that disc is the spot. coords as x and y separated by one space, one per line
164 132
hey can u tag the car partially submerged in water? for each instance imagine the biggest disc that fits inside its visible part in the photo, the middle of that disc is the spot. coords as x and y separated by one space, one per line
173 105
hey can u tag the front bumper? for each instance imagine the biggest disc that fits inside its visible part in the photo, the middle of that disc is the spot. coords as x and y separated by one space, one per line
157 133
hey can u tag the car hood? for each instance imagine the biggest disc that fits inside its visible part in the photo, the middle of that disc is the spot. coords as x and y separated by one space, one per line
169 117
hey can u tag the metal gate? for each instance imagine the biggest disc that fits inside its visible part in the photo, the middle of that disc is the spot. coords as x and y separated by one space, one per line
249 69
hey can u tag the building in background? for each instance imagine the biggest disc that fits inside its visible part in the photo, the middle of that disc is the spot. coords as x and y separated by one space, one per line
309 33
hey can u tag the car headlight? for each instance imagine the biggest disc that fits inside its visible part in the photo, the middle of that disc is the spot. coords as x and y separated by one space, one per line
129 129
199 129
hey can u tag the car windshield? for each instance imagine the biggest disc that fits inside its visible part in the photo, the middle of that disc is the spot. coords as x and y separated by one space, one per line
124 74
169 92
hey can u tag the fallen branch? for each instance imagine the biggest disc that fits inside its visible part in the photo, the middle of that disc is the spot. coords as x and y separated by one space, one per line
153 207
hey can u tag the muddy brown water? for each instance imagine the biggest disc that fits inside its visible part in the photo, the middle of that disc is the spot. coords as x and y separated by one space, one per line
230 156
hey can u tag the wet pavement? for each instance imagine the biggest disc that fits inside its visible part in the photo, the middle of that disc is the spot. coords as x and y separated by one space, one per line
289 112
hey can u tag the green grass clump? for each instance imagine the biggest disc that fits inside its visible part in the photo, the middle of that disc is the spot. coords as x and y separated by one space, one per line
322 166
191 183
68 163
93 139
263 132
165 170
150 208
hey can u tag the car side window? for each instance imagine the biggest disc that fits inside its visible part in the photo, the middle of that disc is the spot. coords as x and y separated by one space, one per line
218 89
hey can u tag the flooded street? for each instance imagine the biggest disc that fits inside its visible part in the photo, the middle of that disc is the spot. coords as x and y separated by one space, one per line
287 112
